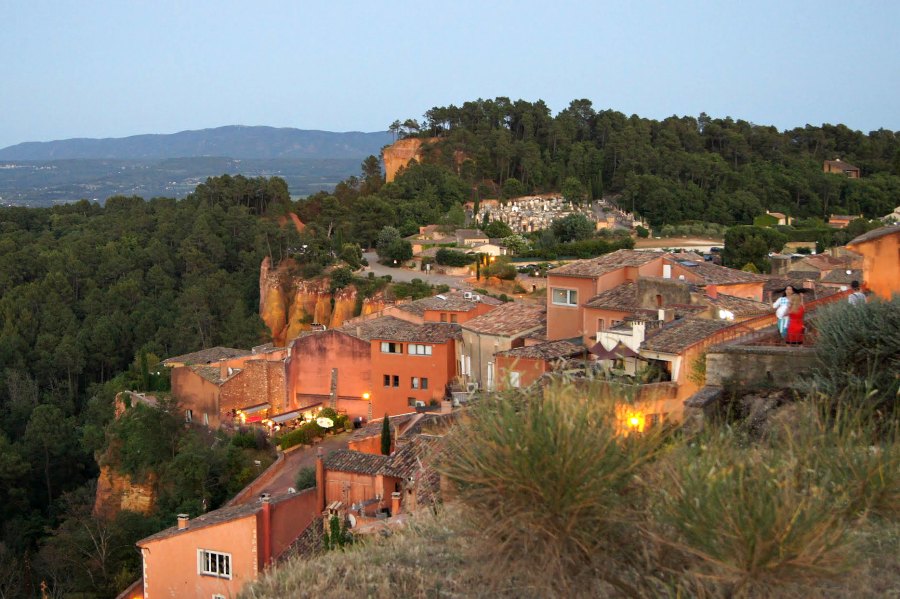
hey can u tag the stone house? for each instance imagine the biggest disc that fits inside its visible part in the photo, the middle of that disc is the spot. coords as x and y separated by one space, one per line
500 329
839 167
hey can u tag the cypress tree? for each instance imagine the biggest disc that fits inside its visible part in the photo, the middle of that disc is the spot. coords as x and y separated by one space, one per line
386 436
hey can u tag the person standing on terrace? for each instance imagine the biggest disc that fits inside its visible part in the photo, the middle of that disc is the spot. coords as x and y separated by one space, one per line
795 319
781 306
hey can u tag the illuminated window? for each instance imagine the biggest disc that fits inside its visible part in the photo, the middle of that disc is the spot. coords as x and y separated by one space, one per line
213 563
565 297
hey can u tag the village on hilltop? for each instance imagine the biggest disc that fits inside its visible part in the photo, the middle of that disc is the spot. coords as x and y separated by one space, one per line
398 379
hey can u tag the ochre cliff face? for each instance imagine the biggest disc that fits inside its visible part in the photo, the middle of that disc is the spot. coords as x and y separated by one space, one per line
398 155
117 492
290 305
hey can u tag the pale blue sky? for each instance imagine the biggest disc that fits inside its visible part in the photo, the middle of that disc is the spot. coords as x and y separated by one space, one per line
116 68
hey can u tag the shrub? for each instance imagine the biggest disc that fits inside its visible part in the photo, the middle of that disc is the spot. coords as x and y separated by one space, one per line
306 478
752 519
447 257
548 474
302 435
858 351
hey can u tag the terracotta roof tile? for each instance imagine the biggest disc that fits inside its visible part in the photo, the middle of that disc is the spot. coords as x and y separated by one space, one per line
551 350
346 460
595 267
219 516
388 328
677 335
739 306
621 297
843 276
713 274
875 234
454 301
513 318
410 456
208 355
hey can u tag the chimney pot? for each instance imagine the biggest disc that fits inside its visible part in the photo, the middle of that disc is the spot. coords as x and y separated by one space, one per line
183 521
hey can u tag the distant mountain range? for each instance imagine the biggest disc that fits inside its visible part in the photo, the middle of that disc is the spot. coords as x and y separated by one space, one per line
43 173
230 142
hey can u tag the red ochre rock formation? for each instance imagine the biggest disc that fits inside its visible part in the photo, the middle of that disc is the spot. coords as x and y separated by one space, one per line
290 305
117 492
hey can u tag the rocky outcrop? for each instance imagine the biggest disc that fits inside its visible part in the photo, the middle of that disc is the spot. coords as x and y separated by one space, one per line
290 305
117 492
399 154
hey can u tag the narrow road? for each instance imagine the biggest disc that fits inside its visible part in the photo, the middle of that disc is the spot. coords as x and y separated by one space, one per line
405 275
301 458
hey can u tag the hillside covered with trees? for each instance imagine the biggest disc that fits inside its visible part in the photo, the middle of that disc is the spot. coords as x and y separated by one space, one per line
676 169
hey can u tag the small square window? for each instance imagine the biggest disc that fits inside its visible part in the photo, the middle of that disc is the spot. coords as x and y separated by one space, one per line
387 380
424 383
453 318
396 380
414 382
565 297
443 317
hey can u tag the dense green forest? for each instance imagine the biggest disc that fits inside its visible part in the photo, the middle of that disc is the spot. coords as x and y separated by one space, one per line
92 297
677 169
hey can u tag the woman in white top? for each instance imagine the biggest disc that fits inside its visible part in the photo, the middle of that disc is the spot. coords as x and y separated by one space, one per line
781 306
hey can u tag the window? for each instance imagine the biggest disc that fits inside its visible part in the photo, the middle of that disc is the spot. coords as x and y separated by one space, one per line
417 349
188 416
389 347
387 380
514 379
396 380
565 297
443 317
424 383
490 376
411 402
414 382
453 318
213 563
600 324
205 419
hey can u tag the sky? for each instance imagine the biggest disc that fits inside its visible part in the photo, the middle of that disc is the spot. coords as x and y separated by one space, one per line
96 68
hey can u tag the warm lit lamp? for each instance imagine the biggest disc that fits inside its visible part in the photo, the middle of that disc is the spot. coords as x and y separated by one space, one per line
366 396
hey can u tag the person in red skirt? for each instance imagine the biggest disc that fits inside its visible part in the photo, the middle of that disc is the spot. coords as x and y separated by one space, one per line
795 320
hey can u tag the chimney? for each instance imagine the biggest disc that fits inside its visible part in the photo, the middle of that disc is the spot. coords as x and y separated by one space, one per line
320 479
183 521
223 371
266 500
395 503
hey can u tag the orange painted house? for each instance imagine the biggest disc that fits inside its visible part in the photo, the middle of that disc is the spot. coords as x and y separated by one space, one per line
453 307
374 366
880 249
410 363
216 554
570 286
522 366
